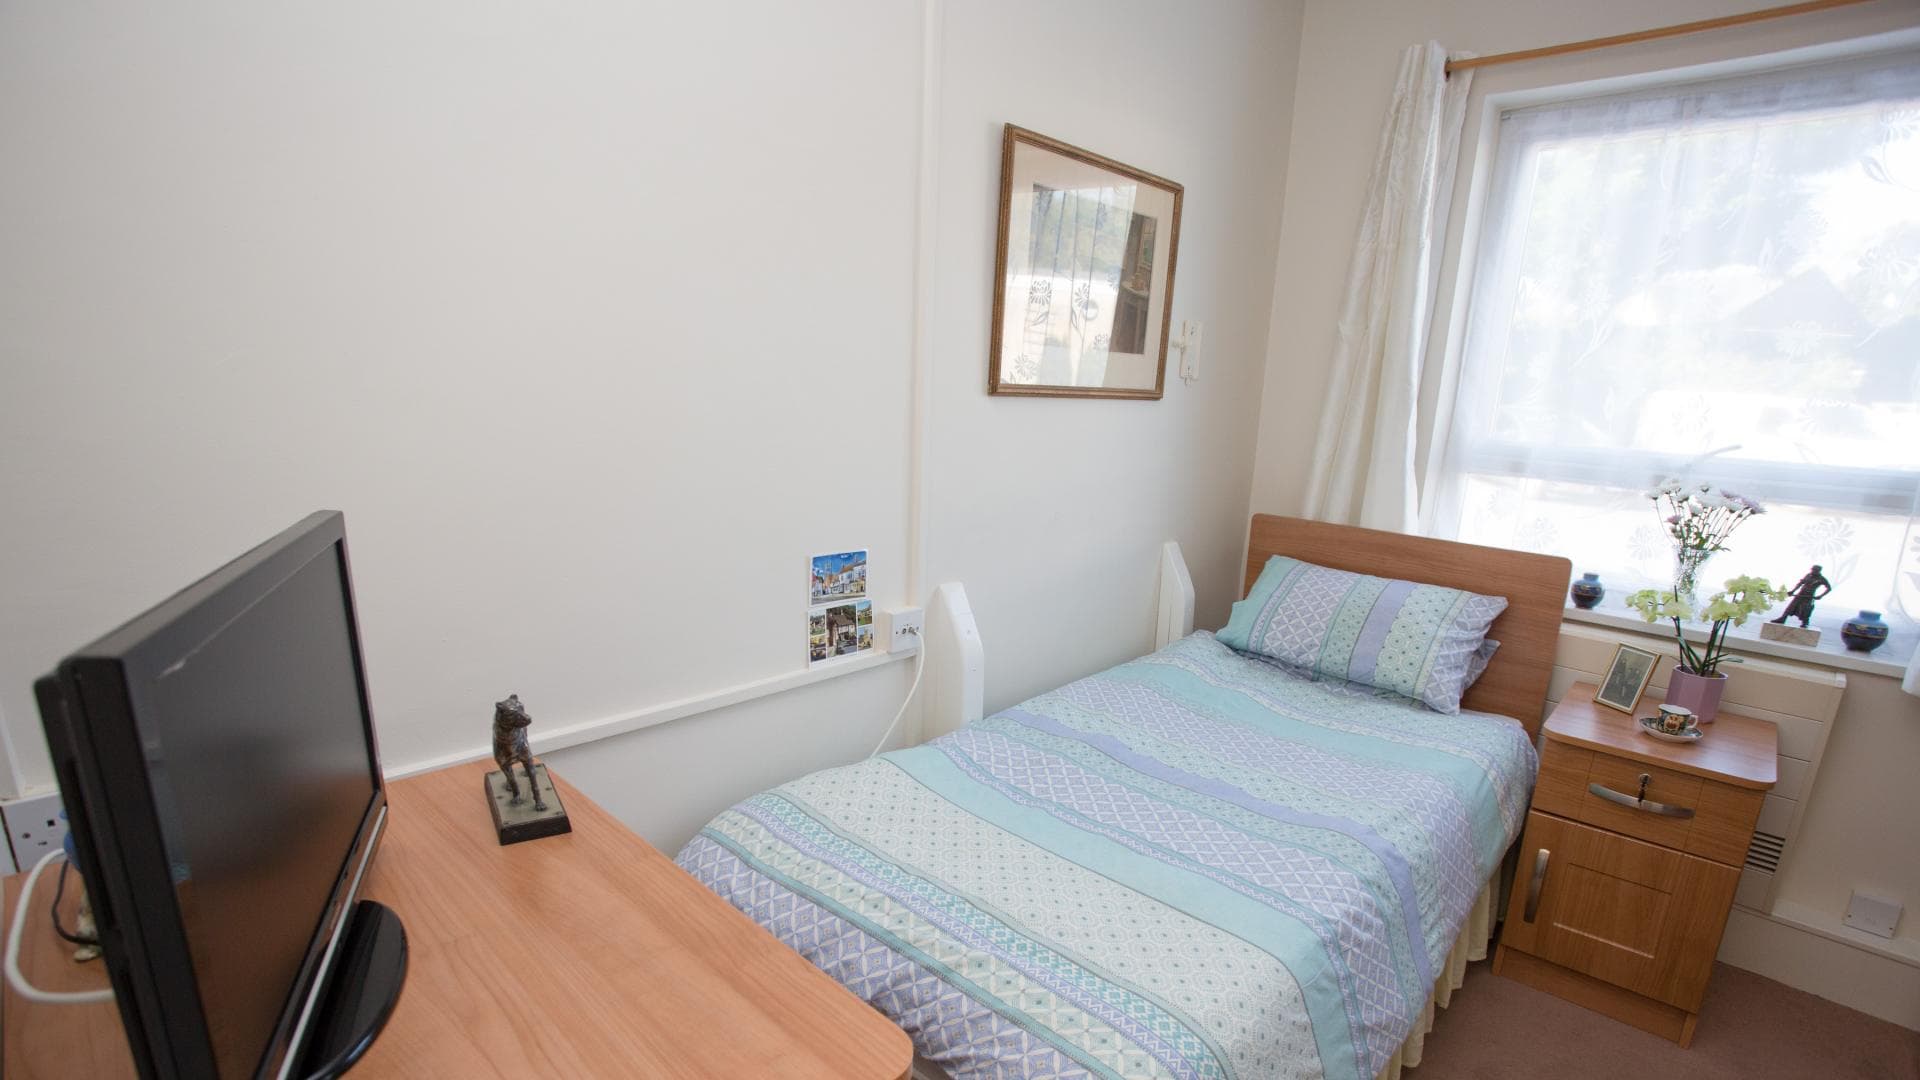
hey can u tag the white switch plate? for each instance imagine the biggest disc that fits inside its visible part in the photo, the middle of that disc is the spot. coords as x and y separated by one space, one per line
1876 915
902 629
34 827
1190 333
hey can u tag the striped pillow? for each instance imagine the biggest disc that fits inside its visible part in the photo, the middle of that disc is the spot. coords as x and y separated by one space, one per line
1413 639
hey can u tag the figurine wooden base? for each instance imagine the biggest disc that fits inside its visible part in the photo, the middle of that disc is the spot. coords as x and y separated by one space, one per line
1792 635
516 819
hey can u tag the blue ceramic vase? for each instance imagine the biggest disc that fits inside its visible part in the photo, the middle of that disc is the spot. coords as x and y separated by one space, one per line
1865 632
1587 591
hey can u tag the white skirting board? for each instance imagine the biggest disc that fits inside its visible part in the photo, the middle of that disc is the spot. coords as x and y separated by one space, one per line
1823 965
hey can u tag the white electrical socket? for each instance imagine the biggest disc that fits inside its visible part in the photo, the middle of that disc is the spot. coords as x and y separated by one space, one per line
34 827
1877 915
903 629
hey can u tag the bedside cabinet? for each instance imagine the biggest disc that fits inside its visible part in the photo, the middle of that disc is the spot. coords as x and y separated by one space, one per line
1630 859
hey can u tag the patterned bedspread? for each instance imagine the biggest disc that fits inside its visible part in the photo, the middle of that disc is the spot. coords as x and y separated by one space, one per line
1192 865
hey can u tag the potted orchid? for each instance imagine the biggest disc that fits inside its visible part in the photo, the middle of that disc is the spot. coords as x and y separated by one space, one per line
1697 680
1699 519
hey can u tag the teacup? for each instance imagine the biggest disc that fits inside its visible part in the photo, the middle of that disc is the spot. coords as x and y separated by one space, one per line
1676 719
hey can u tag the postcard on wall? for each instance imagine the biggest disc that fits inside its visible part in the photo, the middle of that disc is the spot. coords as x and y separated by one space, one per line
839 577
839 616
837 631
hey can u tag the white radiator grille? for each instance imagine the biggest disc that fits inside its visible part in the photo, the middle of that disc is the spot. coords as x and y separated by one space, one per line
1765 851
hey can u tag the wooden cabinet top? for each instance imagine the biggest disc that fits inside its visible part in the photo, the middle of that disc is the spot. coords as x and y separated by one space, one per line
588 954
1737 750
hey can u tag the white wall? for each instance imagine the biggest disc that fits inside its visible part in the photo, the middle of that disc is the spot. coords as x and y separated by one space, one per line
597 321
1858 833
1052 511
584 318
1858 829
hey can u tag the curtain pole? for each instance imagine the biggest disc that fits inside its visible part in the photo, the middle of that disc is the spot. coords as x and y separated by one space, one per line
1637 36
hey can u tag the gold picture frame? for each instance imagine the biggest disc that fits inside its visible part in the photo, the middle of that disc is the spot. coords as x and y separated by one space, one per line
1637 671
1087 248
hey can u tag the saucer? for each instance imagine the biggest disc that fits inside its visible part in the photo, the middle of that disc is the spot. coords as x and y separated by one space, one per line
1650 725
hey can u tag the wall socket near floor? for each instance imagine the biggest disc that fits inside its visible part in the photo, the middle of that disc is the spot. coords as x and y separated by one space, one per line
34 827
1876 915
901 628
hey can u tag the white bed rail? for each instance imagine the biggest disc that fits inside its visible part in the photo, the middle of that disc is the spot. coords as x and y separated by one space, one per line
1176 597
956 674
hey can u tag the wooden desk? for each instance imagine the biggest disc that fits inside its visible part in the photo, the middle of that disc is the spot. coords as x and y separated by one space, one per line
588 954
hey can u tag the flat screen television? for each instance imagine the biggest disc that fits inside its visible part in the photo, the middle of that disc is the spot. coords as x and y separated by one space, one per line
217 762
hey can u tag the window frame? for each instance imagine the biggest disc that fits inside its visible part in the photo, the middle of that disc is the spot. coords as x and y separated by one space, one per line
1839 488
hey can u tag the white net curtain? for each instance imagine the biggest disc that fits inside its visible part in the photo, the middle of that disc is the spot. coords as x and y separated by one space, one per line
1719 280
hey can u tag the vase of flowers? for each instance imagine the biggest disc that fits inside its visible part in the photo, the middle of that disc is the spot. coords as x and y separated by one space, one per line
1699 519
1697 681
1688 562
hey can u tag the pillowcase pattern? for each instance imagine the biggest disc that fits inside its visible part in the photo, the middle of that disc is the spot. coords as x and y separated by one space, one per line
1477 663
1421 641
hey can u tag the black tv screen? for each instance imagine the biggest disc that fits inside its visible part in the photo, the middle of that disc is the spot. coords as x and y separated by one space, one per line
217 759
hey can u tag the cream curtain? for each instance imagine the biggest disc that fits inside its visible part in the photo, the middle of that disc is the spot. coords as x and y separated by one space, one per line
1363 463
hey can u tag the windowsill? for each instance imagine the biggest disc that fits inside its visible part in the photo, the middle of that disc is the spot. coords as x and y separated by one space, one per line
1831 652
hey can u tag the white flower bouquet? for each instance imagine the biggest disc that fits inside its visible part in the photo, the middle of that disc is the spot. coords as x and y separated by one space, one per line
1698 517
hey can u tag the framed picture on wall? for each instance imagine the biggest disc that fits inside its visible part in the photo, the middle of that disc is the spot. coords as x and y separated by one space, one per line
1083 273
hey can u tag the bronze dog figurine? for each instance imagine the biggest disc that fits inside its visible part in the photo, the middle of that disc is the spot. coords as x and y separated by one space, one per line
510 722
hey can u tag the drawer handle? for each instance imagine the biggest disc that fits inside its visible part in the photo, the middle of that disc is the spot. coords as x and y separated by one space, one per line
1641 802
1539 878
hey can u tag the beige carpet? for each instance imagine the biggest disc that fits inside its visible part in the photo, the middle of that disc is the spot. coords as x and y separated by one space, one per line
1751 1028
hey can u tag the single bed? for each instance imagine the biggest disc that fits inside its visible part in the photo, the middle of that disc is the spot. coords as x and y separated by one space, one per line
1196 864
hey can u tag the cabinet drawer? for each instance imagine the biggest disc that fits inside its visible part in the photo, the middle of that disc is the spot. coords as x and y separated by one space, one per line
1674 809
1637 915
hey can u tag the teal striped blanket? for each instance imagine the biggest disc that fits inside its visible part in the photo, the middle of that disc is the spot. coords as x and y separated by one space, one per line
1193 865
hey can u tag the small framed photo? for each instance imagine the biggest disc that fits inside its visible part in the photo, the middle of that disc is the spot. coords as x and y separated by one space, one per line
1626 679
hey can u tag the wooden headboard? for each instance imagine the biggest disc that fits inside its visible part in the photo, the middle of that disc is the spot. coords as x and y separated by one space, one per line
1515 682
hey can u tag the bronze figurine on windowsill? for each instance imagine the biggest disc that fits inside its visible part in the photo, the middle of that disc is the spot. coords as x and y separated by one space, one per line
1804 594
1809 588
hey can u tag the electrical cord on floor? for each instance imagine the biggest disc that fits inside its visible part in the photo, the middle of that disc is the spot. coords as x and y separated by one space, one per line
19 982
919 666
53 911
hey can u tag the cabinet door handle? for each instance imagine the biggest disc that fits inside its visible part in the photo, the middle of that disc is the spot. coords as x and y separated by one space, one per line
1539 878
1650 807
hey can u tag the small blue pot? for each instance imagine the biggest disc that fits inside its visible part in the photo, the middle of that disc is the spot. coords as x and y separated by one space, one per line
1587 591
1865 632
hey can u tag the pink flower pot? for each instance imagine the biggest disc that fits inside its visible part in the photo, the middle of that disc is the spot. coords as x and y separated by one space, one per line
1701 693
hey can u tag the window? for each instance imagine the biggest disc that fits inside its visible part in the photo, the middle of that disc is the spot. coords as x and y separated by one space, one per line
1719 281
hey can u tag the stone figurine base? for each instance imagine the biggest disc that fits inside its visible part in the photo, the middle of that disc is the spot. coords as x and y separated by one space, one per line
516 819
1791 635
